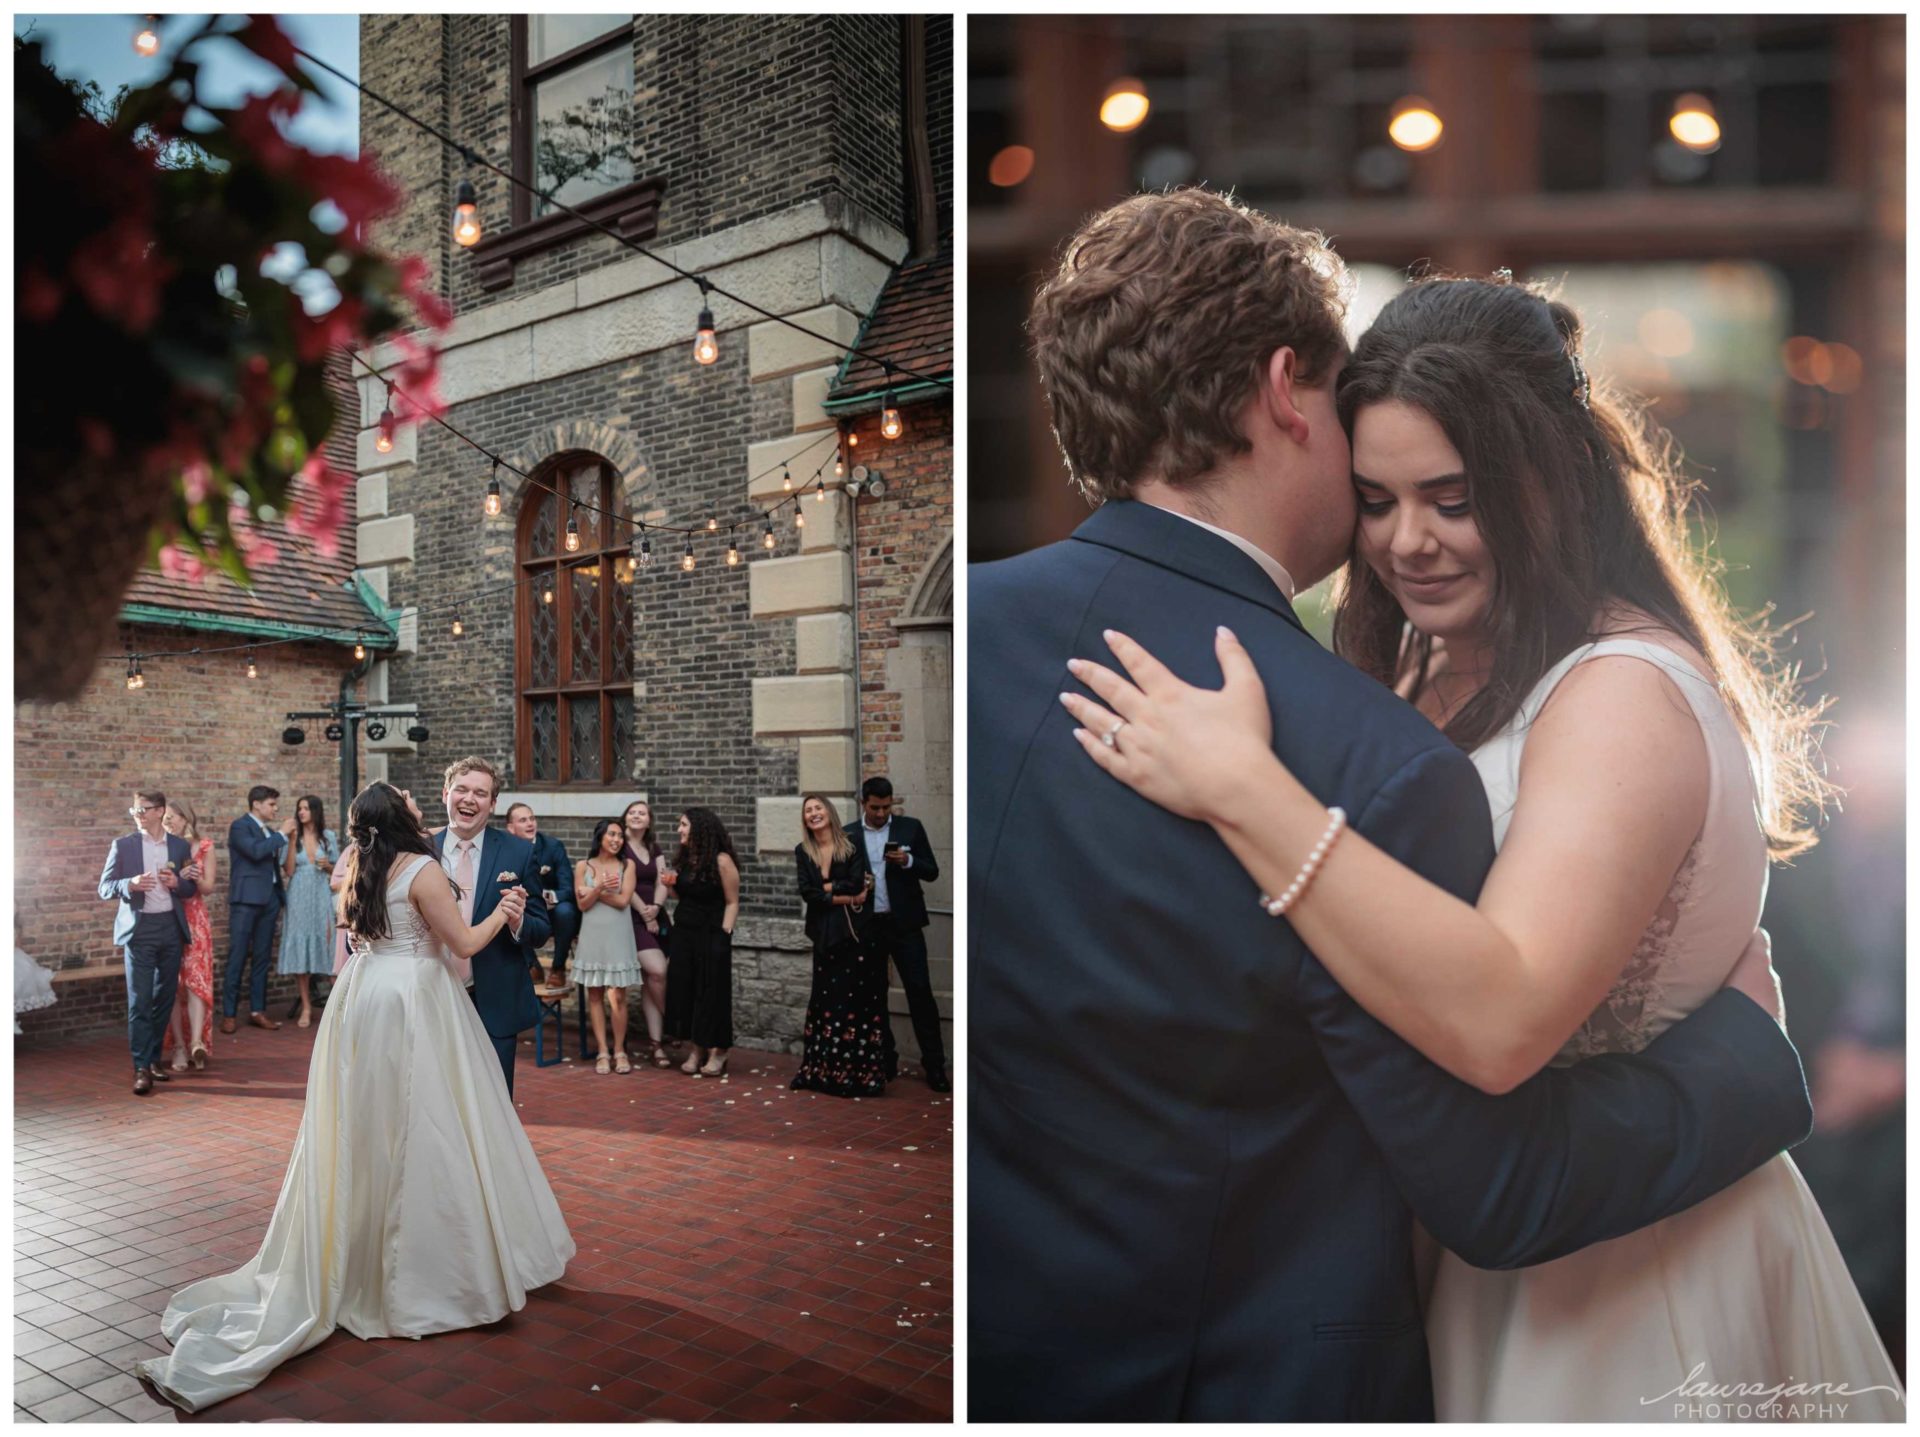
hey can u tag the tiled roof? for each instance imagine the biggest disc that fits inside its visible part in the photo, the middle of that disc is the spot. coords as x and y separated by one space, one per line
911 325
301 589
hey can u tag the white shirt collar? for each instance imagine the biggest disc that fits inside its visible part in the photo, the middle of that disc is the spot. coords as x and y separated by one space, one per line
1270 565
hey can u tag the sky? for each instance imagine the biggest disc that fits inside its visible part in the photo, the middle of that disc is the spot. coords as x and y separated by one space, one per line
100 48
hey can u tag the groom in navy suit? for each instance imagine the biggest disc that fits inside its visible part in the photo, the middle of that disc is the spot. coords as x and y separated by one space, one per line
485 863
1194 1162
150 874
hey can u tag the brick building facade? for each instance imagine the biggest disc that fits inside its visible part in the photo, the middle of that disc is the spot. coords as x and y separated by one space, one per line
799 162
200 730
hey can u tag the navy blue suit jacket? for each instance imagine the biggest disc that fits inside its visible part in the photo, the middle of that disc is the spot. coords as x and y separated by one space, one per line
126 860
550 853
1194 1161
502 988
253 863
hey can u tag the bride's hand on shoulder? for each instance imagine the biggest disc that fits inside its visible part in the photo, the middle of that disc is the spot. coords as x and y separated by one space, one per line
1185 748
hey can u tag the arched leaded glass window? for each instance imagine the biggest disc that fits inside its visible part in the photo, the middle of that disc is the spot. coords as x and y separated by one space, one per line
574 666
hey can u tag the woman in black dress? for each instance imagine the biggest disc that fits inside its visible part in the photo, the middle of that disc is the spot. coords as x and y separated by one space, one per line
705 878
846 1016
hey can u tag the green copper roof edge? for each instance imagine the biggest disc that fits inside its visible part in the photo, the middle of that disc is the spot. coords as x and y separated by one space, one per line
870 400
378 633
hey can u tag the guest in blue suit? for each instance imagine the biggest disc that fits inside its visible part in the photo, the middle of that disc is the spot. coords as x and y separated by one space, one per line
255 896
483 862
150 874
554 872
1195 1163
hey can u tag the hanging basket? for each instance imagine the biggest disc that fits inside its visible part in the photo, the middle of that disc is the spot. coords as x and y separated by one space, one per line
81 532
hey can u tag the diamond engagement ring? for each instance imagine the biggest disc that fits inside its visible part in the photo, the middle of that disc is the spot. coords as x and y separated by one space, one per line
1111 735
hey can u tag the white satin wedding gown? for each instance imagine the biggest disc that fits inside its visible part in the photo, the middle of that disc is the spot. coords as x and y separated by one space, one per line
413 1202
1746 1289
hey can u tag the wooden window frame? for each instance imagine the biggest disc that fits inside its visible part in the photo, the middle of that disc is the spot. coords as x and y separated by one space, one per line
609 550
633 210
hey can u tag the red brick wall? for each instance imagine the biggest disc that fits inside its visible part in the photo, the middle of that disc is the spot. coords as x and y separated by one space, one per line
200 730
899 533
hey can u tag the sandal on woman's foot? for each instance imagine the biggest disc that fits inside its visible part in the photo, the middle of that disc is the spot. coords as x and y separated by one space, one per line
199 1059
692 1065
620 1063
709 1071
659 1056
602 1064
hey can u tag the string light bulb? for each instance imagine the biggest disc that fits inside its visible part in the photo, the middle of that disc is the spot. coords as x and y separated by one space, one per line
459 628
646 551
1415 125
1694 124
706 349
546 593
733 553
135 679
1124 107
839 465
820 493
786 480
686 559
253 670
383 441
359 651
466 216
769 541
799 519
573 530
890 425
713 524
146 44
493 492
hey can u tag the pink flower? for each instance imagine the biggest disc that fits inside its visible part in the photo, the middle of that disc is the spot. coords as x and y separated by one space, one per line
257 124
360 191
196 479
266 39
38 296
121 272
315 336
178 563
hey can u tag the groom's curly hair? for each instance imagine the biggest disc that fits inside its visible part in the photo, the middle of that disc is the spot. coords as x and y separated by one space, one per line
1159 322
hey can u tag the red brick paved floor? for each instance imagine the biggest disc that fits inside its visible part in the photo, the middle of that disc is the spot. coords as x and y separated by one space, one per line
746 1252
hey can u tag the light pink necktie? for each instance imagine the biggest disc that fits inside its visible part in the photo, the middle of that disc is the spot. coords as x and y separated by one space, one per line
463 867
463 875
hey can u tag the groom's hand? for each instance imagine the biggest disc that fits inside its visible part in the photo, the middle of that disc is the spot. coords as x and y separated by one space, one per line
513 903
1753 975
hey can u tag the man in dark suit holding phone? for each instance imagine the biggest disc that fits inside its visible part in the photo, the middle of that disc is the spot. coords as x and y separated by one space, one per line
255 895
150 874
902 857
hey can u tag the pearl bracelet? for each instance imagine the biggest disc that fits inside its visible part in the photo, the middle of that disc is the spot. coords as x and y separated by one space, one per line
1336 823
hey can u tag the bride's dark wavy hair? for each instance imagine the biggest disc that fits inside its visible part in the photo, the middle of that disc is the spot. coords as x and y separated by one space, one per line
699 856
380 828
1582 506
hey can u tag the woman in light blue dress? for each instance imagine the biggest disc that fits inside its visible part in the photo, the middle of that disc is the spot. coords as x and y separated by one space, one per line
306 938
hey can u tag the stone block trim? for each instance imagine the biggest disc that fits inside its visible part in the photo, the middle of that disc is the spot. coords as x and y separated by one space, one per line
809 401
802 453
823 643
385 541
827 766
776 821
804 704
775 351
804 584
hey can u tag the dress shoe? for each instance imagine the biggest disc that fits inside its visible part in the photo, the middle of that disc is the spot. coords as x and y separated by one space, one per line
142 1082
160 1075
261 1020
227 1024
937 1080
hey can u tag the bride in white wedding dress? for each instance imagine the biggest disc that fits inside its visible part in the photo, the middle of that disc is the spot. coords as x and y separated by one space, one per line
413 1202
